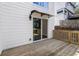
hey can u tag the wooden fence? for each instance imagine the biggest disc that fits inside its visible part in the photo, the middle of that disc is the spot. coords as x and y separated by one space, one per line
67 35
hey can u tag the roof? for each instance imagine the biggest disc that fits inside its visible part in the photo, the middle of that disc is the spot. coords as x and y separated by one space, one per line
75 16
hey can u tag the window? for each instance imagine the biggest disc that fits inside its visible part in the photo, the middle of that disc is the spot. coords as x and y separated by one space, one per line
60 10
42 4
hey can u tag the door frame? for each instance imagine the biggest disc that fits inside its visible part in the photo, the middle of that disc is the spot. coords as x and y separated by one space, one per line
41 18
47 27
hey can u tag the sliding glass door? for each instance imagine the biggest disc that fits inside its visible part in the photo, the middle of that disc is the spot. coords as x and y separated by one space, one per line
44 28
40 29
36 29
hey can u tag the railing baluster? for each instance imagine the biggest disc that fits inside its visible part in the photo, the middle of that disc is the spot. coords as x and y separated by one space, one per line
65 35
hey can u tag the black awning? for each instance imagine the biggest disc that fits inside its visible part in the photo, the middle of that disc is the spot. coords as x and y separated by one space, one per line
42 13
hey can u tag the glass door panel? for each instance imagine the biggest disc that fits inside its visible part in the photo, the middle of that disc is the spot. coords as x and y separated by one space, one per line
36 29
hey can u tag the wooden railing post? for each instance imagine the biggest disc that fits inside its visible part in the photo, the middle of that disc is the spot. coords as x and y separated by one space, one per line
69 37
78 38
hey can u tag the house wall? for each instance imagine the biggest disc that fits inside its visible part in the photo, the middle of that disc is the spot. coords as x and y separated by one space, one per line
69 7
61 16
16 28
0 46
51 20
58 17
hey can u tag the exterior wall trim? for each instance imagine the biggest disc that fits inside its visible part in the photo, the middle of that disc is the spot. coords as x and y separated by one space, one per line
0 53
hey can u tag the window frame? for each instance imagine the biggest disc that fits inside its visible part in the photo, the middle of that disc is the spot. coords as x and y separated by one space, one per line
41 4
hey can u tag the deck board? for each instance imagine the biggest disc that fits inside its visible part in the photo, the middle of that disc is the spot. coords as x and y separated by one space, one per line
68 50
48 47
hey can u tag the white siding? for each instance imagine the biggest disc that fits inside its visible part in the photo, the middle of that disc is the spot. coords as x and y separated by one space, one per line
69 7
16 28
61 16
58 17
51 20
15 24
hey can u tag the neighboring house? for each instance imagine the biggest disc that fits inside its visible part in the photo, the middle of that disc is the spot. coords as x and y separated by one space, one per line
63 11
25 22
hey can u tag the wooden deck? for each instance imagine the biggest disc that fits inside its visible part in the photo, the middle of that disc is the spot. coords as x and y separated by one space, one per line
48 47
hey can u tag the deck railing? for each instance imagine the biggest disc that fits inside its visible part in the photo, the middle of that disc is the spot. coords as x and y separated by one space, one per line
67 35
